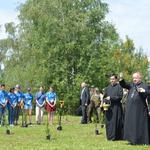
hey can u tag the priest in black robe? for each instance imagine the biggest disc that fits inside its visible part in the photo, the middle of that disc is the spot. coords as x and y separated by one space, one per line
114 115
136 127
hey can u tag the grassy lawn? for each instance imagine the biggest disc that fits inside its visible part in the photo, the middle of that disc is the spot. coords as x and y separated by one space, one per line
74 136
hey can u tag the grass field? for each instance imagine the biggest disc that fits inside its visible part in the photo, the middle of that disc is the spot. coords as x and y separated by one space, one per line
74 136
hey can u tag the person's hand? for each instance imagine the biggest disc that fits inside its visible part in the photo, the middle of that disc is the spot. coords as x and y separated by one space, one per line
141 90
149 113
121 75
53 105
85 104
50 105
108 98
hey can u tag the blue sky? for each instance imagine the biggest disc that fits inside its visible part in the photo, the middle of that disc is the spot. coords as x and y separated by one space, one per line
8 13
130 17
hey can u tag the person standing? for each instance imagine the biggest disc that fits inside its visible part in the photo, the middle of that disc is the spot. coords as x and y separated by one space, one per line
18 105
11 106
97 103
50 104
91 105
136 127
28 98
85 100
124 99
3 103
114 115
40 102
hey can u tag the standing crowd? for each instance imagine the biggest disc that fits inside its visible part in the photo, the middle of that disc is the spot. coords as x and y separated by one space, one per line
18 103
128 117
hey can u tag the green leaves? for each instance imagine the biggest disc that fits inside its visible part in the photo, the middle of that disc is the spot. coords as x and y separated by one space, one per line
63 43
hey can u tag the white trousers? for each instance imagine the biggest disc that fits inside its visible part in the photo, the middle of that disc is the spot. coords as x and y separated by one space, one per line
39 114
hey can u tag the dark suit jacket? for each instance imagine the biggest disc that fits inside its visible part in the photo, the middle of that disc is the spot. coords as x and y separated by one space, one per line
85 97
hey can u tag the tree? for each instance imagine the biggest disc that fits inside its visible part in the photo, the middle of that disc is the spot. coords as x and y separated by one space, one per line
61 43
133 60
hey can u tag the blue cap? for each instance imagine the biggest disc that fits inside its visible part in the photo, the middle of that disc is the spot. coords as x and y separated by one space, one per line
28 89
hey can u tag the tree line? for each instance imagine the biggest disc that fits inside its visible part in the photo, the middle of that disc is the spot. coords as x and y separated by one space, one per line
63 43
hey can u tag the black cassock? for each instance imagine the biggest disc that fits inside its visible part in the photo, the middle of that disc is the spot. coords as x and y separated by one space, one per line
114 115
136 127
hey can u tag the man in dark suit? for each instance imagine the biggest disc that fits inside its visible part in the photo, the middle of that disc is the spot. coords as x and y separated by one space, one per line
85 100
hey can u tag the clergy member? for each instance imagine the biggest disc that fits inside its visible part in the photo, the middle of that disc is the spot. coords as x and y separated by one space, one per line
136 127
114 115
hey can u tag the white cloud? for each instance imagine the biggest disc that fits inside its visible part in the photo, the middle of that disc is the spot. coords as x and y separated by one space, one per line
8 13
6 17
131 18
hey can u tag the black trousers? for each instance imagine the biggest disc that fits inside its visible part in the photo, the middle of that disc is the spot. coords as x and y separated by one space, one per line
84 114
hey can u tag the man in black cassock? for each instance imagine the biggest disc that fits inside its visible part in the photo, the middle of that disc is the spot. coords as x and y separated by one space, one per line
136 127
114 115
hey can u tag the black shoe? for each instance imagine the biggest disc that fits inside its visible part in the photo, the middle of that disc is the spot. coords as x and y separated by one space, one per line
83 123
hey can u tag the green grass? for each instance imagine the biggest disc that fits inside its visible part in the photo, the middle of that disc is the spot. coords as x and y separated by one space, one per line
74 136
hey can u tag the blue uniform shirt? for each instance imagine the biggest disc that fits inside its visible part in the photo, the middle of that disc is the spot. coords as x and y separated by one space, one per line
12 99
28 99
40 97
3 97
51 96
19 97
